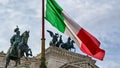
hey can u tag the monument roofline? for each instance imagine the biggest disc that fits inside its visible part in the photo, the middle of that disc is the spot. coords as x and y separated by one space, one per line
54 52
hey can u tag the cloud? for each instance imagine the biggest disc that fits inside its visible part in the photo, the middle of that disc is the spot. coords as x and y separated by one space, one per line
4 1
109 64
88 9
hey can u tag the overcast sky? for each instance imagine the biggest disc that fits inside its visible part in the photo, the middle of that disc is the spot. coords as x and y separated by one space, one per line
99 17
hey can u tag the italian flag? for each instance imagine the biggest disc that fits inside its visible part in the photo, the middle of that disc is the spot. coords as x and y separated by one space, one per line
85 41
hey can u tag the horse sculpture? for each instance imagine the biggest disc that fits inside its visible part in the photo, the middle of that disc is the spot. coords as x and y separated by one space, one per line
59 42
22 48
71 46
68 45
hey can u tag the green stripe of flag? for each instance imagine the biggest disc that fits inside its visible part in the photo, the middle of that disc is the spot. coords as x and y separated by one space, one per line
54 15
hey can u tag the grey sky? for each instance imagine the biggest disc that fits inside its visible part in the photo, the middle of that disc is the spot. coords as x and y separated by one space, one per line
99 17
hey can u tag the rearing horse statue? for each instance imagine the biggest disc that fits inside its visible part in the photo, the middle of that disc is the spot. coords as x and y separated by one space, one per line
21 48
68 45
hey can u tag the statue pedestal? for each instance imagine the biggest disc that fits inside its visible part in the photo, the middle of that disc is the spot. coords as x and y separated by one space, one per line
61 58
25 65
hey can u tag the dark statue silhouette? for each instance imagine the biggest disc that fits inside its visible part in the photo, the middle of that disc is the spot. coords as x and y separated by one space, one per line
59 43
54 40
68 45
18 48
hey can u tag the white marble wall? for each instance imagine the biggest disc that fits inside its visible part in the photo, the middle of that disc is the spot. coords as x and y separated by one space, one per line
55 58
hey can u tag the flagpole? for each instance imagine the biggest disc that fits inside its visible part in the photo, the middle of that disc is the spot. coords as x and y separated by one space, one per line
43 60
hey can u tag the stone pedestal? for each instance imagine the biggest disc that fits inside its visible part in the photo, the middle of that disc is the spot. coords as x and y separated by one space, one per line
55 58
24 65
60 58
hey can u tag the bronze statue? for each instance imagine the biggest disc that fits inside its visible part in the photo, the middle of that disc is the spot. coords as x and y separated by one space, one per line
15 40
54 40
59 43
18 47
71 46
68 45
65 45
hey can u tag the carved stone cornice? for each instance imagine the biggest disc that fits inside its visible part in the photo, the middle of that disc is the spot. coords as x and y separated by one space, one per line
62 53
71 59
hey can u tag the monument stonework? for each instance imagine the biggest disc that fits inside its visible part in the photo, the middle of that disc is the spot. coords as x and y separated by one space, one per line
55 58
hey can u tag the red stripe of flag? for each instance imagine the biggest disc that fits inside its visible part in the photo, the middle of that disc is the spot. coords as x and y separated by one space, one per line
90 45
